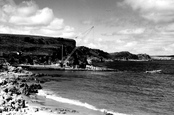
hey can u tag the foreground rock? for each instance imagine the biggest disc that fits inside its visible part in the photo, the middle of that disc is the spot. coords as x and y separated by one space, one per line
14 88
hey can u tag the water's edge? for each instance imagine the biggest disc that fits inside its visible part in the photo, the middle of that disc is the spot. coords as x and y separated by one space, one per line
49 95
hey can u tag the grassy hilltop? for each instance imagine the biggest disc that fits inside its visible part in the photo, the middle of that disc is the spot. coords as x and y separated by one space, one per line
34 44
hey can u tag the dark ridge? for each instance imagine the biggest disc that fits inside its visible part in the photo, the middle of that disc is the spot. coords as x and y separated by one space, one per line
29 48
127 55
33 44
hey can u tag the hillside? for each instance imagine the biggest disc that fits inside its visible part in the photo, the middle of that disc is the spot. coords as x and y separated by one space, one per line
33 44
46 50
125 55
93 53
33 47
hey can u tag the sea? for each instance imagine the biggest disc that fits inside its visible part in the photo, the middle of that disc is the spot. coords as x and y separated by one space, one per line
128 91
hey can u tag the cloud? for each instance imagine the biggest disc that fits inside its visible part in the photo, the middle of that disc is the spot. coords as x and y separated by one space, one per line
135 31
157 40
87 22
132 31
27 18
155 10
41 17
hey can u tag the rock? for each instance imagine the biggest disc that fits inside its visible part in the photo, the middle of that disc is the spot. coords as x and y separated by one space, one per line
34 88
13 89
3 82
24 89
12 81
22 85
7 97
74 111
63 112
23 104
23 80
2 101
35 109
5 90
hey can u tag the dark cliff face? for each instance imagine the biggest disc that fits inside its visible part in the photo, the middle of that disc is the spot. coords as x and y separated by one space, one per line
28 46
27 43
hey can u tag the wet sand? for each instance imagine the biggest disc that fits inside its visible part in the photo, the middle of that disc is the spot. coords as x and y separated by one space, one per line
53 107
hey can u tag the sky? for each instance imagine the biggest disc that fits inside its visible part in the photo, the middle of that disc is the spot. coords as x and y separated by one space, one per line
137 26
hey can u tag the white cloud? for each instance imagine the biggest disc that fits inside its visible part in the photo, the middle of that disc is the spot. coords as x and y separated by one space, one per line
157 40
27 8
42 17
132 31
87 22
56 24
155 10
92 45
27 18
131 44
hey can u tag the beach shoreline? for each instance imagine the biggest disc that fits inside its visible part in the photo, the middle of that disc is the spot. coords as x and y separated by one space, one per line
19 96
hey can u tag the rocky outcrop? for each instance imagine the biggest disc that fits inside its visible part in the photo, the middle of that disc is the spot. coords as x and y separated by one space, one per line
15 83
11 91
144 57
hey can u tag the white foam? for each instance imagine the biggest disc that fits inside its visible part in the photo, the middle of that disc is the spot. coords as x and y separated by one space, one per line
74 102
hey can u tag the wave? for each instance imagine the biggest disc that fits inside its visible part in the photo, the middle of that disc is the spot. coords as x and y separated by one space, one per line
50 95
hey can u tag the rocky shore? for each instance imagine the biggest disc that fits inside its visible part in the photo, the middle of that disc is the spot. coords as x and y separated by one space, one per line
18 90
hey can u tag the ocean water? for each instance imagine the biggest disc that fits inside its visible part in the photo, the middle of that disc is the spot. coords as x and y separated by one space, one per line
127 92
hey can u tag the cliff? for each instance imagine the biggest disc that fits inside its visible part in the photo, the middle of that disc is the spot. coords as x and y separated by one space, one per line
28 43
30 47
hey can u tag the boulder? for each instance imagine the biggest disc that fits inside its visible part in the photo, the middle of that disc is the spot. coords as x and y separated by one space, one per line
35 109
109 114
1 101
3 82
7 97
24 89
34 88
13 89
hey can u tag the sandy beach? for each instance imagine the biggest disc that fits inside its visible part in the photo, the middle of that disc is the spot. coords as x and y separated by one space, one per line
19 96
